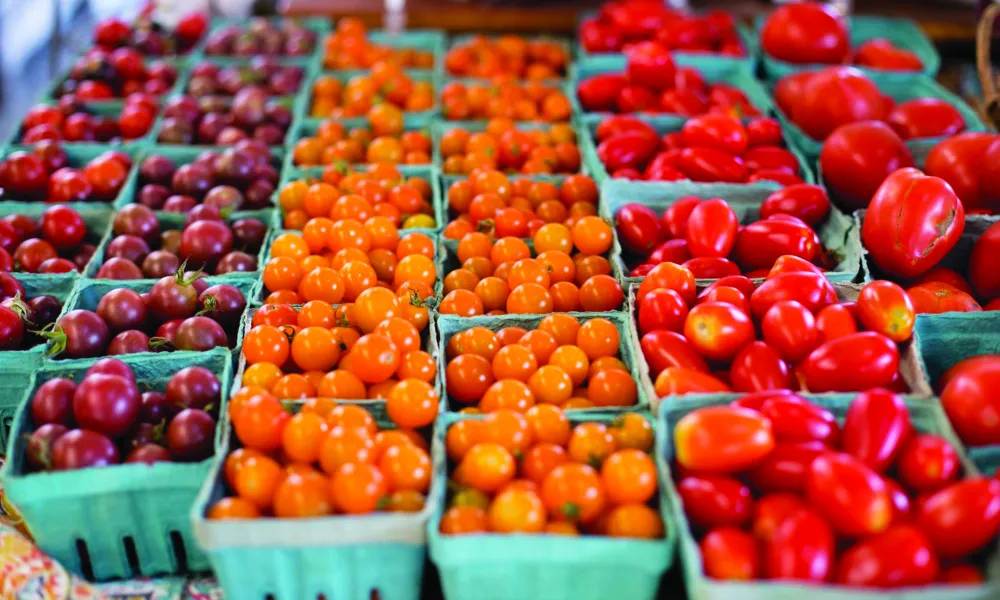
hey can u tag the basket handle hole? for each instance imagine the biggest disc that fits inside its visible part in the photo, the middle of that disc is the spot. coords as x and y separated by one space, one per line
86 568
177 542
131 554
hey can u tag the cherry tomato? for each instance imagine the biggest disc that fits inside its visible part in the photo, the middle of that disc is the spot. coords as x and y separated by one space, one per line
638 227
957 160
717 330
722 439
771 511
711 229
927 463
924 118
757 367
662 309
812 290
675 218
885 308
663 349
834 321
729 553
760 244
675 381
718 131
648 64
785 469
836 96
794 419
711 165
805 201
790 329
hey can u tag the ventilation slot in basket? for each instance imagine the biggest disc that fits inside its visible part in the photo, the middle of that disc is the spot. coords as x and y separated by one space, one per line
85 567
131 555
180 554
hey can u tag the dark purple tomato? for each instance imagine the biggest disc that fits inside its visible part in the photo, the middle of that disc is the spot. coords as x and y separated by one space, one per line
80 334
236 262
110 366
197 279
234 167
81 448
10 287
224 303
205 242
57 265
258 195
191 435
119 269
153 195
248 234
149 454
83 255
39 446
170 241
44 310
160 263
137 220
179 203
130 247
172 298
200 334
168 331
6 261
10 237
122 309
107 404
192 180
157 169
154 408
24 225
11 329
224 196
193 387
203 212
130 341
53 402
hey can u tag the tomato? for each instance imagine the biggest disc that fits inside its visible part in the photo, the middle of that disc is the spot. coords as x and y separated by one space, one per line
760 244
811 290
712 267
785 469
836 96
573 492
757 367
630 149
927 463
722 439
728 294
880 53
804 33
788 91
899 556
853 497
857 157
675 218
718 330
876 427
794 419
648 64
663 349
935 297
613 125
662 309
885 308
737 282
924 118
711 229
805 201
718 131
771 511
715 500
730 554
636 19
854 362
634 98
989 176
961 518
836 320
599 93
984 264
912 222
670 276
675 381
801 548
958 161
790 329
969 399
711 165
639 228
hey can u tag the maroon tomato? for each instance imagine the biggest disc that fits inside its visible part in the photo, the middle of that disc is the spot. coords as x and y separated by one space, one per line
715 500
805 201
711 165
630 149
852 497
786 467
924 118
712 267
804 33
730 554
857 157
801 548
649 65
758 367
760 244
711 228
876 427
835 321
639 228
794 419
984 263
675 218
927 463
722 439
812 290
900 556
662 309
771 511
958 160
790 329
850 363
912 222
935 297
969 398
836 96
599 93
884 307
719 131
718 331
663 349
961 518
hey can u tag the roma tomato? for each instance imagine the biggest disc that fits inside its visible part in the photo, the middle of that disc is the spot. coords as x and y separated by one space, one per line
676 381
615 124
958 160
857 158
792 264
806 201
600 92
984 263
760 244
811 290
912 222
722 439
638 228
900 556
836 96
924 118
790 328
786 467
711 228
794 419
852 497
662 309
969 398
804 33
927 463
771 511
758 367
884 307
851 363
801 548
739 282
934 298
719 131
835 321
882 54
876 427
961 518
675 218
710 165
718 331
712 267
628 150
789 90
671 276
730 554
724 293
649 65
663 349
675 251
715 500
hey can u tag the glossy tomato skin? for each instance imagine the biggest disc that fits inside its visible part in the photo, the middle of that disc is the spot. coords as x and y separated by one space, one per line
785 469
790 328
675 251
663 349
946 275
876 428
759 367
628 150
662 309
718 131
614 124
884 307
857 157
958 161
836 320
670 276
711 229
852 497
710 164
836 96
989 176
599 93
791 264
794 419
925 117
804 33
638 228
677 381
761 243
850 363
806 201
770 511
648 64
675 218
715 500
882 54
790 89
718 330
962 517
724 293
970 400
899 556
738 282
912 222
712 267
984 263
927 463
730 554
801 548
722 439
812 290
935 298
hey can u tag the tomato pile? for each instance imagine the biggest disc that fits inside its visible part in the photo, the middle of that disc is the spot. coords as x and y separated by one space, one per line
221 121
509 55
386 82
622 24
43 174
519 101
874 481
53 244
349 47
705 235
105 417
149 37
384 142
562 362
263 72
708 148
506 147
101 75
21 318
262 37
538 473
69 121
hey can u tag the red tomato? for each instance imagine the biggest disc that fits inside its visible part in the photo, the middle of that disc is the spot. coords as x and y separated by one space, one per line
715 500
711 229
730 554
638 228
721 132
984 263
636 19
786 467
790 328
634 98
924 118
759 244
970 399
670 276
675 251
771 511
837 96
958 160
789 90
739 282
663 349
946 275
597 38
812 290
675 218
884 307
648 64
852 497
630 149
989 176
835 321
722 439
758 367
806 201
912 222
710 165
756 400
599 93
726 294
791 264
880 53
927 463
850 363
613 125
676 381
876 427
662 309
801 548
794 419
718 331
804 33
962 574
961 518
935 297
899 556
857 157
712 267
900 502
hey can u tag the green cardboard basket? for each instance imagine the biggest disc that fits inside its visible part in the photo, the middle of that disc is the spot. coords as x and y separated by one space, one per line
903 33
554 567
926 416
344 557
120 521
839 233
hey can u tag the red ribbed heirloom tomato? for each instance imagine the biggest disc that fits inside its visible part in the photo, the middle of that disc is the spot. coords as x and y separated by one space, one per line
722 439
912 222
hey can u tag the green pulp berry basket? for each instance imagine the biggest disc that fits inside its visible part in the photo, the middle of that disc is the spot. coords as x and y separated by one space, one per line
925 415
344 557
119 521
553 567
839 232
